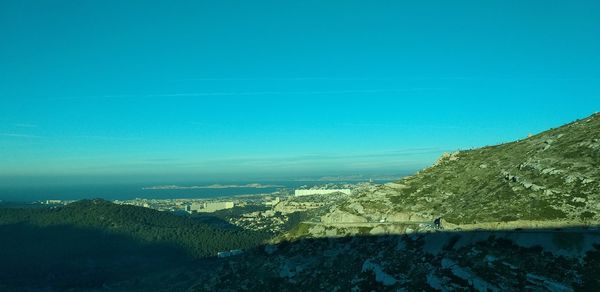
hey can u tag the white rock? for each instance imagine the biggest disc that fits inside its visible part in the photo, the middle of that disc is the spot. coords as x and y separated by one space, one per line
338 216
380 275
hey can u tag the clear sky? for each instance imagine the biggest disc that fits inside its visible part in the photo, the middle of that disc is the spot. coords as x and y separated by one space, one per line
266 89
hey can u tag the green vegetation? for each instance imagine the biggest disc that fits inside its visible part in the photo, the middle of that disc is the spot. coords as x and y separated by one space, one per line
196 237
300 230
550 176
92 242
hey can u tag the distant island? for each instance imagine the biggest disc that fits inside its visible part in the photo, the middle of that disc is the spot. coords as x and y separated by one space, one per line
213 186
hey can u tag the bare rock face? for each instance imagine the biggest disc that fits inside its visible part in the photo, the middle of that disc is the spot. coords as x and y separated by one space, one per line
405 217
395 186
357 208
339 216
447 157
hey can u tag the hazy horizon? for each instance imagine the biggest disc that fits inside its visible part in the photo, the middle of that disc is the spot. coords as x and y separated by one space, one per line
119 91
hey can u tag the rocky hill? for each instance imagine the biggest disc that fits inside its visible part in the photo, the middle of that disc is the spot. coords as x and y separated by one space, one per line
546 180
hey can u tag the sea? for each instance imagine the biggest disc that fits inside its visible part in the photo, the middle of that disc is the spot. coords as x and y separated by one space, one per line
132 191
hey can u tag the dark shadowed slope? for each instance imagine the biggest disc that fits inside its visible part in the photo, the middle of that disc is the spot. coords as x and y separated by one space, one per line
538 260
197 238
93 242
63 257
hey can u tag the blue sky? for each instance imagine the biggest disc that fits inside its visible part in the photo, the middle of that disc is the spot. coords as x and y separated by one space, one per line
268 89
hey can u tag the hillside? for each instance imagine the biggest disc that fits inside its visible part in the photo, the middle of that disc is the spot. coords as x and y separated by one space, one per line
92 242
197 238
553 176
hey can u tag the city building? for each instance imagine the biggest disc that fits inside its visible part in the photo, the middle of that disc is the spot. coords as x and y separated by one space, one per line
209 207
273 202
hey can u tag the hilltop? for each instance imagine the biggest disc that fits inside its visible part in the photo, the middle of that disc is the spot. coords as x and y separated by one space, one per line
546 180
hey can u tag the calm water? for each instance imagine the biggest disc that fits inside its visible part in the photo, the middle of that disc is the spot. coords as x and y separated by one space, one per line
131 191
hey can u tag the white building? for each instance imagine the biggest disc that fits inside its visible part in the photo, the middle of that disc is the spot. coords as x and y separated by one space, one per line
300 193
273 202
209 207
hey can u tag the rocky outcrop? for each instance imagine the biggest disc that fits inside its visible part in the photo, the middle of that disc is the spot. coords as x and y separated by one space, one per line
405 217
552 176
339 216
